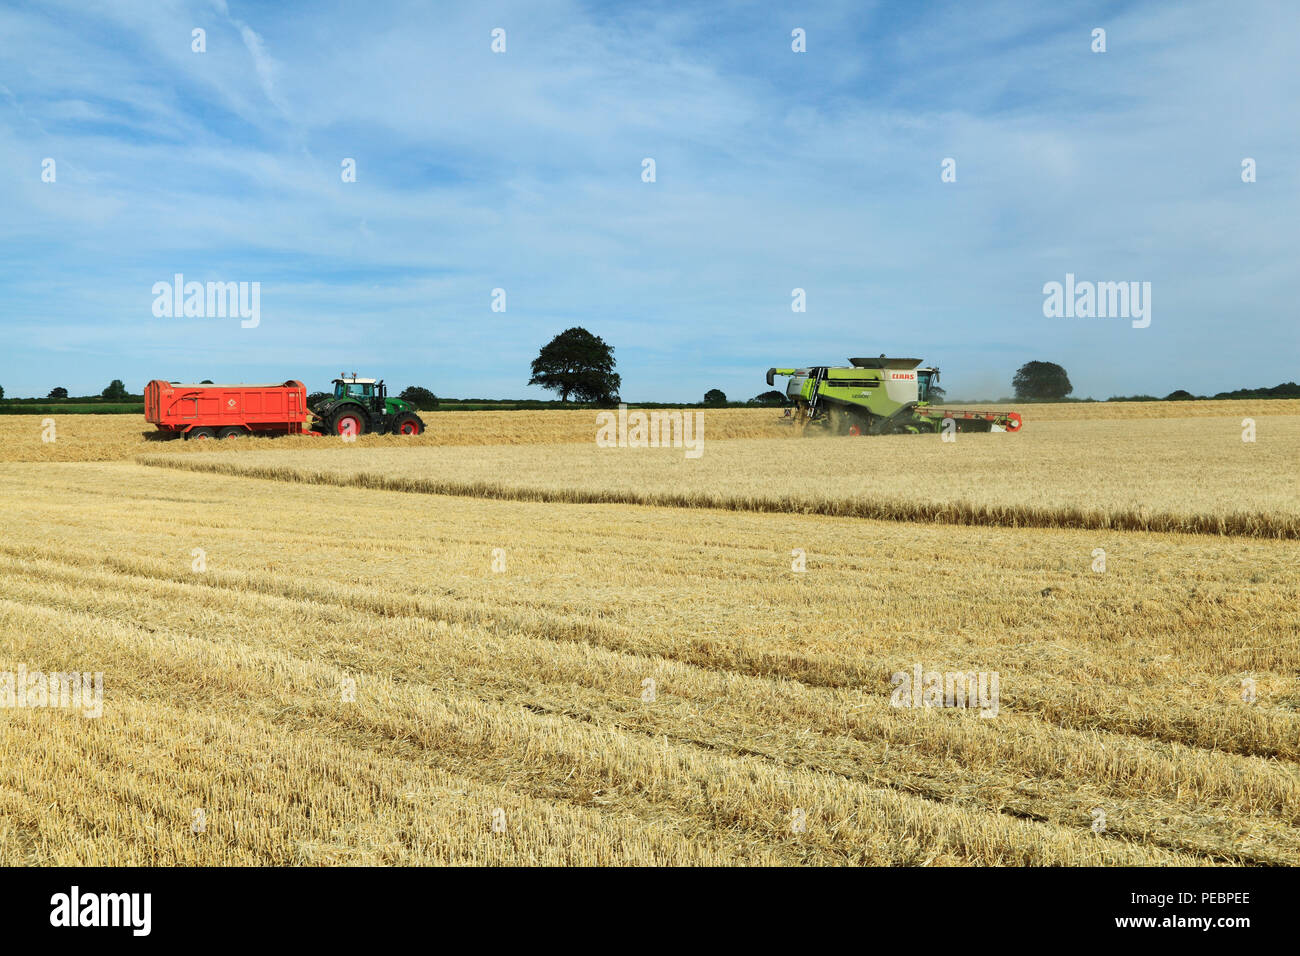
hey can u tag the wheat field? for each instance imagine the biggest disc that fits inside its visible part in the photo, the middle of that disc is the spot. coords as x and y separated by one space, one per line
115 437
1193 475
309 664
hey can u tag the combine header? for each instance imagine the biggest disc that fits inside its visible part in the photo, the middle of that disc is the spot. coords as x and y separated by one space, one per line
878 396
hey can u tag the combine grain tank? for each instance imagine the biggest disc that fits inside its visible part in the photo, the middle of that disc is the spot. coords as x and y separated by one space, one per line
226 411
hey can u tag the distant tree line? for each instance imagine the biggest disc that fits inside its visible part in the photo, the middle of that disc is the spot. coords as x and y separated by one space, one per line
579 365
114 392
1285 390
1048 382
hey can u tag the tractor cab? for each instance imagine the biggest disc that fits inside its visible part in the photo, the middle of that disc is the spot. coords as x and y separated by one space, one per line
363 389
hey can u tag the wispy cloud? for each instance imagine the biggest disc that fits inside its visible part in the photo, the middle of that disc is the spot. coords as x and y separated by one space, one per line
262 61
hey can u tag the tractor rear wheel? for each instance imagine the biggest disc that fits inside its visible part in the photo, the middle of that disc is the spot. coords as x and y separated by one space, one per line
350 421
200 434
407 424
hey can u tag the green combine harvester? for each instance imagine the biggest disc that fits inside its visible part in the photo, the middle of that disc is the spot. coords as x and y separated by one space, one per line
878 396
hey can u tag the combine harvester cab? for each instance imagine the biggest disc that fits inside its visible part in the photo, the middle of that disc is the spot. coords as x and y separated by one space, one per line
226 411
878 396
361 405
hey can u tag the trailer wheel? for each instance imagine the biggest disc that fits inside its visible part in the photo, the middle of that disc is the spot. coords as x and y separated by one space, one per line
200 434
407 424
233 431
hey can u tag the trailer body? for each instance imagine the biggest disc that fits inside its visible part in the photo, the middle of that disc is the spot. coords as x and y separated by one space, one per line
226 411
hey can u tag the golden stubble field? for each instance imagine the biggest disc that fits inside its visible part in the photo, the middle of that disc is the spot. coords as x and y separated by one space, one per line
363 675
1145 474
115 437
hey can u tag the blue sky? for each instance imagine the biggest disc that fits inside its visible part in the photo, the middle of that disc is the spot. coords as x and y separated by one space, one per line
775 170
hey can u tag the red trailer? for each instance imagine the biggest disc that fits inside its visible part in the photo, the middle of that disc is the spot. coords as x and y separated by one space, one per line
226 411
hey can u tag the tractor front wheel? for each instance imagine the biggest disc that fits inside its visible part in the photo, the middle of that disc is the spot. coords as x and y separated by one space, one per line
407 424
200 434
234 431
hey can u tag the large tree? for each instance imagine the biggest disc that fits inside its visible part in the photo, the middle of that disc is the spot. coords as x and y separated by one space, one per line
58 392
116 391
577 363
423 399
1045 380
715 396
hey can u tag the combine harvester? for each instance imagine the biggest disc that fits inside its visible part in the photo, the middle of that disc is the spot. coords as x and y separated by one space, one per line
878 396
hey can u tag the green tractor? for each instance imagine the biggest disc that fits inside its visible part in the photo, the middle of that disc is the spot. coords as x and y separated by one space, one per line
361 405
878 396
